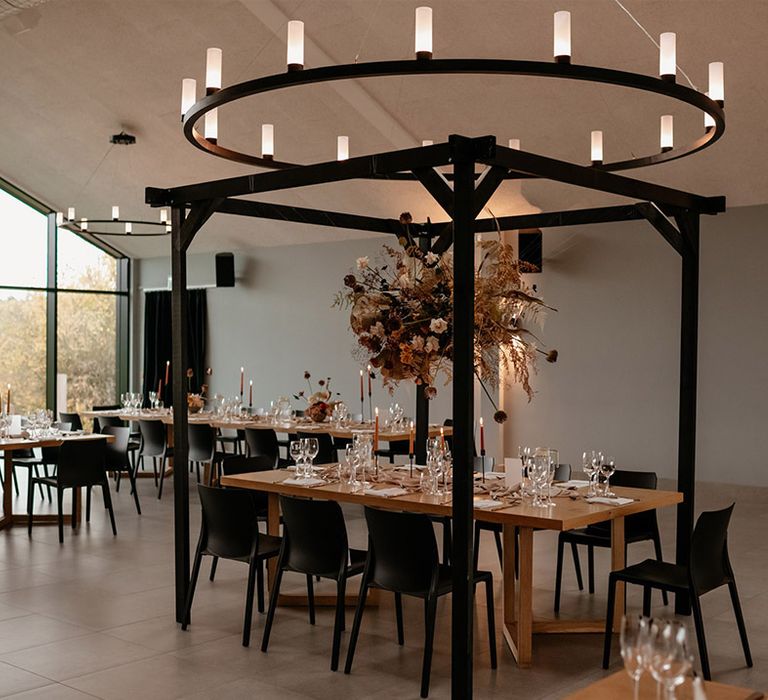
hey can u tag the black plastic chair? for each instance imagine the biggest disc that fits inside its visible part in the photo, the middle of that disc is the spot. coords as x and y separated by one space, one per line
562 473
402 558
155 445
641 527
73 419
230 530
117 460
262 441
235 440
327 452
202 449
709 567
315 544
81 463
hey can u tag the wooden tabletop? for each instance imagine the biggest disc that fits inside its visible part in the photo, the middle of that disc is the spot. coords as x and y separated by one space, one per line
567 514
619 686
19 443
262 424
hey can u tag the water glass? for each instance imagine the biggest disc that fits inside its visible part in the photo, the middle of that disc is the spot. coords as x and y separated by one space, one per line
607 468
311 448
296 452
635 648
669 657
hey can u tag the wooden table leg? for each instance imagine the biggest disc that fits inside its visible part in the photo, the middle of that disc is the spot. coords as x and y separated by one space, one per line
273 528
518 596
618 561
7 517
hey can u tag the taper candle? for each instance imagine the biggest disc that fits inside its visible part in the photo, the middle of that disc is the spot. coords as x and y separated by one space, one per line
376 432
410 440
167 371
482 436
362 390
250 392
242 379
370 390
159 388
442 438
8 401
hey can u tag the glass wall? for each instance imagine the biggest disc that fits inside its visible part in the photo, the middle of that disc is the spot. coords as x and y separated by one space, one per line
64 315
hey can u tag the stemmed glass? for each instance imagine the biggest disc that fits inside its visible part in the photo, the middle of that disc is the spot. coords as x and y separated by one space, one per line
635 648
347 475
311 448
607 468
296 451
669 657
591 461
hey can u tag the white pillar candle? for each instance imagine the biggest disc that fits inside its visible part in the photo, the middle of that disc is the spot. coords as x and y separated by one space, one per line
71 214
295 50
667 139
163 216
597 146
668 55
128 227
212 70
212 125
514 143
84 224
716 82
59 218
342 148
267 140
562 43
423 34
115 213
188 94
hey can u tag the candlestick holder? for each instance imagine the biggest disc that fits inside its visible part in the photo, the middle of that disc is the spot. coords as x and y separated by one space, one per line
410 464
482 464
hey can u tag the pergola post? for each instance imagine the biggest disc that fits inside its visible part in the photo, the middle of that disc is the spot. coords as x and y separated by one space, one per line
688 224
463 415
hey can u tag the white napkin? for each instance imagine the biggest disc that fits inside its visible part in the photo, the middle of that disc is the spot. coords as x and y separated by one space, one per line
490 476
390 492
574 484
618 501
488 504
304 481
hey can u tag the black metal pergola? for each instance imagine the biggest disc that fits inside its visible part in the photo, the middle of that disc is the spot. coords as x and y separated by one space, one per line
462 195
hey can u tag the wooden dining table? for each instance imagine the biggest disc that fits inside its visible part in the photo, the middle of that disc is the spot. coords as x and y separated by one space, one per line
10 445
519 624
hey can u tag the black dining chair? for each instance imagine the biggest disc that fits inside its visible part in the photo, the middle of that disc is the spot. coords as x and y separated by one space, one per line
230 530
262 441
154 444
118 461
708 568
101 422
327 452
240 464
73 419
640 527
202 450
81 464
315 544
235 440
402 558
562 473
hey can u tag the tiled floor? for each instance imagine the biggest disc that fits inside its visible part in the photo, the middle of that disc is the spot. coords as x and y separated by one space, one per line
94 618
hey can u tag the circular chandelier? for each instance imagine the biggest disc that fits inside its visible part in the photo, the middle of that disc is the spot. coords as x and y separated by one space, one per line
115 226
710 104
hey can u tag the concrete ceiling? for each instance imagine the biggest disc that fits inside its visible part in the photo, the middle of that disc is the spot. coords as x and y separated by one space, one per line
89 68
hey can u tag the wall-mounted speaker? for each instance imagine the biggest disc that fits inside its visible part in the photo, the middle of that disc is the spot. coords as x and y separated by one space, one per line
529 245
225 270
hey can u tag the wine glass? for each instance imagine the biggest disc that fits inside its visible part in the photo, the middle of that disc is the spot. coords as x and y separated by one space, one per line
296 451
635 641
587 464
312 448
669 657
347 475
607 469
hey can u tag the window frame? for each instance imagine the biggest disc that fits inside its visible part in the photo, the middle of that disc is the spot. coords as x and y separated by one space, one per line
121 293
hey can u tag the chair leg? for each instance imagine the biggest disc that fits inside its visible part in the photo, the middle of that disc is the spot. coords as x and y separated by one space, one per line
430 613
30 506
118 477
273 596
60 502
47 486
647 600
338 624
108 503
559 573
591 568
154 469
134 490
499 548
311 599
740 622
162 477
15 481
76 493
252 568
491 620
577 565
214 563
698 621
660 557
476 547
399 618
260 586
609 621
39 485
192 585
87 504
447 544
356 625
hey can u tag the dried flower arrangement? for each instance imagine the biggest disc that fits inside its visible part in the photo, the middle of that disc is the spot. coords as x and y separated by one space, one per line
319 404
401 314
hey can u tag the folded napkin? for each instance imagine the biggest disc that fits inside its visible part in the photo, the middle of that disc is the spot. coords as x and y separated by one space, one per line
490 475
488 504
304 481
390 492
617 501
574 484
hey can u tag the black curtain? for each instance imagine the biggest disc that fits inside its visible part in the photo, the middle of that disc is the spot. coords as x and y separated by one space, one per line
158 342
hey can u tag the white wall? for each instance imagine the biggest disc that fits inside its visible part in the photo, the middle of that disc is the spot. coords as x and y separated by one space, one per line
615 386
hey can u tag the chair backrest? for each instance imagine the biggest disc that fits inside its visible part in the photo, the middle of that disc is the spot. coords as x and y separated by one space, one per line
101 422
240 464
403 550
709 564
153 438
82 462
562 472
327 452
639 524
64 427
262 441
230 522
202 442
315 537
117 450
73 419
